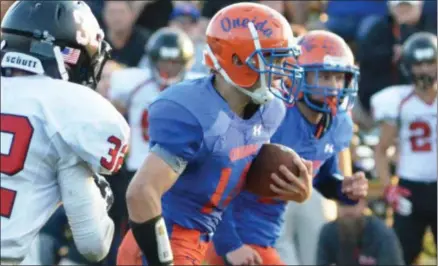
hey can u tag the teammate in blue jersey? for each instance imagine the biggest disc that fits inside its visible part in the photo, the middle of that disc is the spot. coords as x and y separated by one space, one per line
317 127
204 134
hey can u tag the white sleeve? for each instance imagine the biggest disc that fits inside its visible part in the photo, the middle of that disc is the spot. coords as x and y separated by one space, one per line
90 224
99 135
102 145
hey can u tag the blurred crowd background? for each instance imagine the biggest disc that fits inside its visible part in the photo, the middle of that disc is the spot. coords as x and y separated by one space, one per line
375 31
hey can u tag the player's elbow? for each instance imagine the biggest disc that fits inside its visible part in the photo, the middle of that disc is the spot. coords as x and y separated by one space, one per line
151 181
94 252
135 194
97 245
139 194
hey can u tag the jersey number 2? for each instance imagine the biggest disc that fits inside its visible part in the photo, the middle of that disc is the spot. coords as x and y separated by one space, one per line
421 141
13 162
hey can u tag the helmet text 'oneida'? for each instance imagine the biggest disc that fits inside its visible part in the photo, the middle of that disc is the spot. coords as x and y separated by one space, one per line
227 24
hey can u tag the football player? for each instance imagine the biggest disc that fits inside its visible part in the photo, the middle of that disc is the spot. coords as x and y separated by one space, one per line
409 113
170 54
317 127
57 135
204 134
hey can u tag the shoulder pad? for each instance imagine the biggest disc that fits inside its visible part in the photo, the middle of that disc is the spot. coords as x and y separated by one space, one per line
193 95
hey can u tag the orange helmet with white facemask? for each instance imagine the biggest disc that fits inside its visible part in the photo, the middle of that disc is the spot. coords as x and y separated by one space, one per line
247 44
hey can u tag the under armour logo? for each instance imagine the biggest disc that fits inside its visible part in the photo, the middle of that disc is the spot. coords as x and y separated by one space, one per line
328 148
257 130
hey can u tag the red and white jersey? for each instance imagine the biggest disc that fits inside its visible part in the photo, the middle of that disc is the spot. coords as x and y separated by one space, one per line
49 125
135 89
417 123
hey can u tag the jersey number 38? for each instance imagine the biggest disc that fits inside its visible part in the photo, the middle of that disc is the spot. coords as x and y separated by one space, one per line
16 135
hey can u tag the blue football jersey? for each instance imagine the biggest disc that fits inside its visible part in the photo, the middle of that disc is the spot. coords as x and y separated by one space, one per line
251 219
193 122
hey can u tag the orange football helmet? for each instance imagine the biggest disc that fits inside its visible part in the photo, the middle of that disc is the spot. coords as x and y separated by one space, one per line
323 51
247 43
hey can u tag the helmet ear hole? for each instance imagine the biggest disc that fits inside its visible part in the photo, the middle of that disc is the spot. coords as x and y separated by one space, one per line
236 60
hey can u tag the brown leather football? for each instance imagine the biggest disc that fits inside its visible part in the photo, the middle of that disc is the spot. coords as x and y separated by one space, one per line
268 160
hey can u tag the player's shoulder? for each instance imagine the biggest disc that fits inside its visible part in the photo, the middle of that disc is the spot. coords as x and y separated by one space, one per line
52 93
89 124
67 105
175 118
83 119
191 94
195 98
84 100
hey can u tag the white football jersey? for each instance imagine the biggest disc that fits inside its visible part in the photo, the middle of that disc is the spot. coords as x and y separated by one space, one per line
417 123
47 126
135 89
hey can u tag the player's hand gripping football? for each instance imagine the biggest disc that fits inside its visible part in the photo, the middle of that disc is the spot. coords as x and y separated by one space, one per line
105 190
245 255
355 187
292 187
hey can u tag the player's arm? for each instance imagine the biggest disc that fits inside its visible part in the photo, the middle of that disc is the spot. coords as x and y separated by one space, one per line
388 132
329 180
176 137
86 211
227 239
228 244
345 163
94 140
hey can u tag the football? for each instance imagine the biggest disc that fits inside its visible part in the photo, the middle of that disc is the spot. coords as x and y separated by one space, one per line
268 160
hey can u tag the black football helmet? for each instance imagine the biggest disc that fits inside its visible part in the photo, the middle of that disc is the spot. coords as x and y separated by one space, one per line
61 39
170 54
420 48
